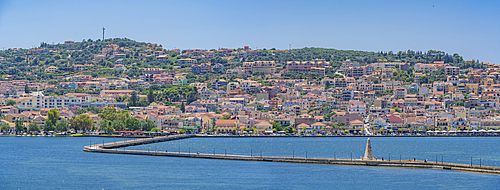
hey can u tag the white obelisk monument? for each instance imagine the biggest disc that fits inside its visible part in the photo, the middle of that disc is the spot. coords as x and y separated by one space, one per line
368 151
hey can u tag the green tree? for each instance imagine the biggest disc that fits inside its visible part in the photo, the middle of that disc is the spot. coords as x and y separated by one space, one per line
81 122
19 126
424 79
118 125
253 129
133 124
52 116
225 117
109 129
62 125
328 116
5 127
48 127
289 129
143 102
110 114
10 102
183 107
156 130
277 126
32 127
133 98
103 124
396 109
123 115
26 89
151 96
147 125
327 85
81 111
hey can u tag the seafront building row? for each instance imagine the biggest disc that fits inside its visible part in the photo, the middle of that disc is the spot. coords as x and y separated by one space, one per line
237 92
304 105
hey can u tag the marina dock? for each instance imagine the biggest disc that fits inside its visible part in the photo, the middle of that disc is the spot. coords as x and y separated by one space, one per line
112 148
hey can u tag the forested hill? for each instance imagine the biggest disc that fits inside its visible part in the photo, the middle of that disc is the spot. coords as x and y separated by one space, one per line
32 64
334 55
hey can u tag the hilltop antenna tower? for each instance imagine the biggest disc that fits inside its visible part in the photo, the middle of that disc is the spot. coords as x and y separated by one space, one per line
103 33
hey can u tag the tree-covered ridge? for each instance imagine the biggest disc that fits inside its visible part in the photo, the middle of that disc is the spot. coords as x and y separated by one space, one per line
335 56
121 42
31 64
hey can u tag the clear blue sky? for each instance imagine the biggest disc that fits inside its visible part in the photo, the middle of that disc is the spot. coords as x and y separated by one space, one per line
470 28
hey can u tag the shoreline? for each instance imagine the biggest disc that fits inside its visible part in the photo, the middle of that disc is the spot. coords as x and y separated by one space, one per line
254 136
111 148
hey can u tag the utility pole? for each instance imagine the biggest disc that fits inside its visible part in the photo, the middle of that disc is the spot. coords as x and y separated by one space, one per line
103 33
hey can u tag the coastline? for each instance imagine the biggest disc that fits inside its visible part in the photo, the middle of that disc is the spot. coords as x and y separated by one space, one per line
256 136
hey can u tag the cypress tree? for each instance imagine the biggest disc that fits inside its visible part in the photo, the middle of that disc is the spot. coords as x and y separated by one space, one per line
151 97
26 89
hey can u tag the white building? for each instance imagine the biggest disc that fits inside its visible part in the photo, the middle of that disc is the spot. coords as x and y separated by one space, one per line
37 100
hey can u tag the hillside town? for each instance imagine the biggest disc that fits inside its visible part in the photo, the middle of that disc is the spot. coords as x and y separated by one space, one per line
123 87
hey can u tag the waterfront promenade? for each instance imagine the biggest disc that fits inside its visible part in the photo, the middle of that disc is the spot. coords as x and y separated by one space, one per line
113 148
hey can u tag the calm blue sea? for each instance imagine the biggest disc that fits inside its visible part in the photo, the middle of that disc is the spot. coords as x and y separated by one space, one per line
60 163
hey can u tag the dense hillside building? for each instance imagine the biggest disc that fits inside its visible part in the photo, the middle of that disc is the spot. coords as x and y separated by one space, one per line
268 67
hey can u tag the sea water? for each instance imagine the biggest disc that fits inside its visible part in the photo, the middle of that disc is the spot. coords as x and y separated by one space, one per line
60 163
